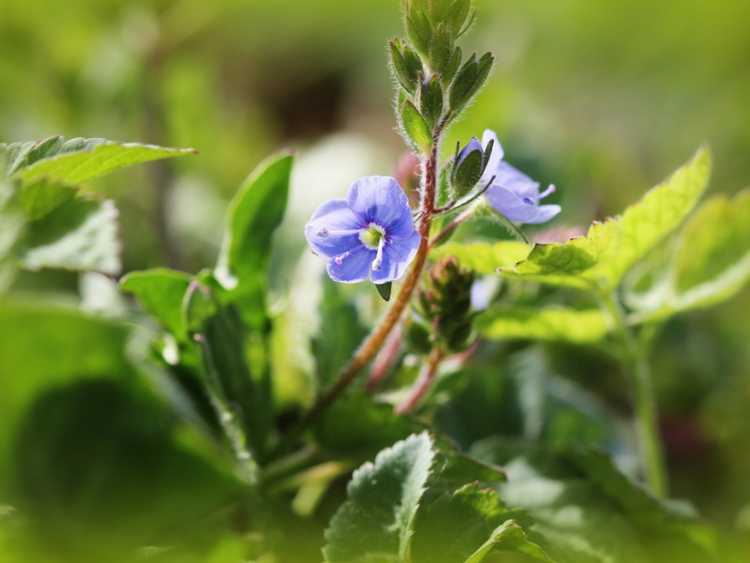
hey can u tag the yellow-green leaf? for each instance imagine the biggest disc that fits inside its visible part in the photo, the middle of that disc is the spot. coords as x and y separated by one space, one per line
601 258
710 263
556 324
80 160
485 257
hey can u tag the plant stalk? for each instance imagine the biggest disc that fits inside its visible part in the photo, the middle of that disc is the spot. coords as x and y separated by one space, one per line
377 337
646 408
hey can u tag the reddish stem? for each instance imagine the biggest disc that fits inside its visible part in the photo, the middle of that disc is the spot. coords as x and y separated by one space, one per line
423 383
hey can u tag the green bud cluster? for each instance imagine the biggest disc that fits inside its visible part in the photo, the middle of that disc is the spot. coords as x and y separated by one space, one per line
435 83
443 313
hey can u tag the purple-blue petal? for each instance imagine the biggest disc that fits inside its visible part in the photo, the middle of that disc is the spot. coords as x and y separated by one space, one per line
334 229
544 213
380 200
518 209
471 146
496 156
398 253
512 179
353 266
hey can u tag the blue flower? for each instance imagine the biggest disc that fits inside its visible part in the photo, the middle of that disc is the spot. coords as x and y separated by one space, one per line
512 193
369 235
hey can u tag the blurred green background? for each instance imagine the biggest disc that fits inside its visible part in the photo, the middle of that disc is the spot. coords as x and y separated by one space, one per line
603 99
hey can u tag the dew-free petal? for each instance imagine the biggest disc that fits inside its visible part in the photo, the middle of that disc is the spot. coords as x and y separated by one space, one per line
352 266
334 229
380 200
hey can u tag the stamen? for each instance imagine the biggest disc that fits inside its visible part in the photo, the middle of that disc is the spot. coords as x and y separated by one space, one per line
550 190
378 262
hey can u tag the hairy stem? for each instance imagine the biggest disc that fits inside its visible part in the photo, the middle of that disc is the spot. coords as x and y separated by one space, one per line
646 409
377 337
385 359
423 384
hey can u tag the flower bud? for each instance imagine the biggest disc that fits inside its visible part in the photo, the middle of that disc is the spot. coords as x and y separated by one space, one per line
468 167
470 78
445 303
431 100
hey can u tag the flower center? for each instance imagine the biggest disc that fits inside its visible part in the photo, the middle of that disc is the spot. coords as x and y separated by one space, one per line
372 236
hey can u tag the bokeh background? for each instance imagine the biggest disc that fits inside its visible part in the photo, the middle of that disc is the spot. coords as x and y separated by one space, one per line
603 99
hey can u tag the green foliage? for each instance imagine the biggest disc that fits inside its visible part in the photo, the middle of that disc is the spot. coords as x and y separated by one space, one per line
709 263
254 214
568 496
485 257
79 235
556 324
43 345
161 293
241 396
383 501
415 129
80 443
333 345
469 80
78 160
599 260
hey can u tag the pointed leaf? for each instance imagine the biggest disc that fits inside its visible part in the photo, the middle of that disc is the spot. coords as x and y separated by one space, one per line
160 292
254 214
79 160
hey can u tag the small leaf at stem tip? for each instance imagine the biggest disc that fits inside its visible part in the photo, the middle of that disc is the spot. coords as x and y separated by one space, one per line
415 128
384 289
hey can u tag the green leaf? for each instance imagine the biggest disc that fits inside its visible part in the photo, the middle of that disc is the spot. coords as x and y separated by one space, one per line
485 257
242 402
566 495
554 324
160 292
254 214
80 235
469 80
710 263
376 523
42 345
415 128
601 259
40 198
79 160
431 100
97 451
341 331
509 536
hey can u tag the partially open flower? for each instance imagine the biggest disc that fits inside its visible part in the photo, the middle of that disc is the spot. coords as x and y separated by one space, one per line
369 235
513 194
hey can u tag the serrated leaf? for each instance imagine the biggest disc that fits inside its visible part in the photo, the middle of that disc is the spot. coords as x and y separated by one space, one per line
160 292
79 160
376 523
710 263
78 235
254 214
601 259
415 128
485 257
554 324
